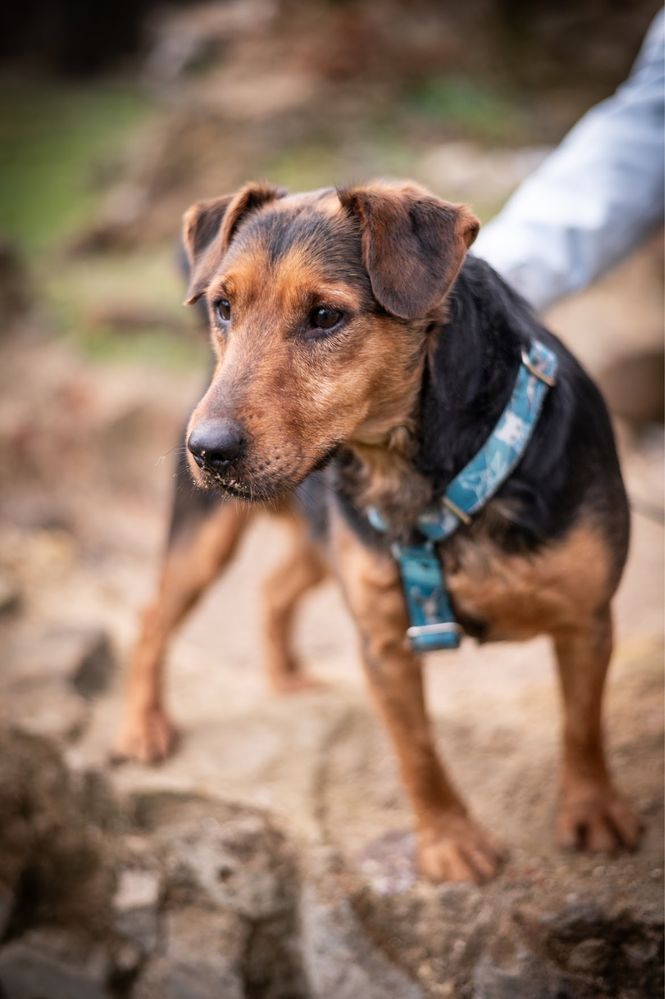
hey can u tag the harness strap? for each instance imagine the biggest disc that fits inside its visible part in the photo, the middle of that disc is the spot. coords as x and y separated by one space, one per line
433 624
489 468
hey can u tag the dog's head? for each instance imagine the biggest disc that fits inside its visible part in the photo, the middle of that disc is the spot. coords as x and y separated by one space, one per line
318 305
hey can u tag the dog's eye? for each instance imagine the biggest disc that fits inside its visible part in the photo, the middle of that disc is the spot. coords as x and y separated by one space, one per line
223 310
323 317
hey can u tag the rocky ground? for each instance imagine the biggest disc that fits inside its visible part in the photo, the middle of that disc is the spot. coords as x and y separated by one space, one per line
271 856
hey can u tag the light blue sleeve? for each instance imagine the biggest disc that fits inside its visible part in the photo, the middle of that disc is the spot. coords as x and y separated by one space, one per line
595 198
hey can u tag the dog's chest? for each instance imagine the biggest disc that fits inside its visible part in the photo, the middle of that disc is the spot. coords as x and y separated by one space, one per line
509 596
496 594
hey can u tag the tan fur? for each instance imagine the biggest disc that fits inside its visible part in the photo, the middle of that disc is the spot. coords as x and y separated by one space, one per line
147 733
303 568
520 596
592 813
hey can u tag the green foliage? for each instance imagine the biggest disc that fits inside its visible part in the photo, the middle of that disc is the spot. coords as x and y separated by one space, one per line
146 347
57 143
83 296
466 105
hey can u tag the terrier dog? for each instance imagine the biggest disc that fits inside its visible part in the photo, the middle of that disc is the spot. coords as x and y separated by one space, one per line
359 348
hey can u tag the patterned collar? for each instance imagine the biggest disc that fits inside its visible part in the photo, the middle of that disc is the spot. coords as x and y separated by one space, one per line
433 624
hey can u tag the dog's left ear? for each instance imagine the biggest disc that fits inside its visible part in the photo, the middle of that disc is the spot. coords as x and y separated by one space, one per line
209 226
413 244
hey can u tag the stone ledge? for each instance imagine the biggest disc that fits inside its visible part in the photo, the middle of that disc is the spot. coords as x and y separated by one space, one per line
179 896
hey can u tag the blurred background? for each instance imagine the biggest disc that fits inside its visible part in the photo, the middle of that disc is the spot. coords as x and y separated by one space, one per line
114 117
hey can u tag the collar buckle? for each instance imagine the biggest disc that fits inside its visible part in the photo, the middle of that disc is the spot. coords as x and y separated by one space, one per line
456 511
548 380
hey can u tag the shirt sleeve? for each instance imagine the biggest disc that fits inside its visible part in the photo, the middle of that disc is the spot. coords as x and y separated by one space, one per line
595 198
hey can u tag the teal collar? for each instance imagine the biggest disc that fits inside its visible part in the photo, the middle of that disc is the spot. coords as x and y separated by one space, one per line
432 620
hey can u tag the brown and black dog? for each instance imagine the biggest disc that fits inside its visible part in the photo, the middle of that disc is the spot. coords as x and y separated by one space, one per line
358 348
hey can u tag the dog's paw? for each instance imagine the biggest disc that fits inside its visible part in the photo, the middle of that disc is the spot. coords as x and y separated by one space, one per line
597 819
457 849
146 738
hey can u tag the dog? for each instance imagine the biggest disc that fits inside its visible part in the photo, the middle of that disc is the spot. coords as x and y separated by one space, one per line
362 358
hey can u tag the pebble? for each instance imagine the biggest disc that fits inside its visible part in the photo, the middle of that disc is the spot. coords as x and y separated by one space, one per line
136 890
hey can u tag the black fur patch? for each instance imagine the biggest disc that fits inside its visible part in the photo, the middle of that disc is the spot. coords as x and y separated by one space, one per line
332 243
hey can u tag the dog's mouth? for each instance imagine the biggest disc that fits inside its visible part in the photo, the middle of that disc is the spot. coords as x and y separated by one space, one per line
231 486
270 483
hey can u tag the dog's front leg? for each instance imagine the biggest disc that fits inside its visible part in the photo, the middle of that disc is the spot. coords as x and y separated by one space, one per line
302 569
193 560
593 814
451 846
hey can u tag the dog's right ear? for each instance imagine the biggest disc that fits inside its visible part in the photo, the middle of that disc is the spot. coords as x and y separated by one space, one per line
209 227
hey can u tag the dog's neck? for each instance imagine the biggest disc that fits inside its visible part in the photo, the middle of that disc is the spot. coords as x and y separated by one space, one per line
447 409
379 470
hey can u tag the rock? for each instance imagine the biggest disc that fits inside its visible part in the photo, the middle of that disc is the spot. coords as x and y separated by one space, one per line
221 854
507 940
7 901
50 677
203 957
185 897
51 855
84 657
340 960
95 795
29 773
222 858
127 962
45 707
52 965
79 657
136 908
339 956
523 977
233 863
589 956
598 949
96 664
273 959
136 890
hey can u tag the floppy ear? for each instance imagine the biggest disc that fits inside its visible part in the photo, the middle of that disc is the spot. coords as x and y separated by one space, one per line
413 244
209 227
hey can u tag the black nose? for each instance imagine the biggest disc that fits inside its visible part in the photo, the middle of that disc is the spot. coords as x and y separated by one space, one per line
215 444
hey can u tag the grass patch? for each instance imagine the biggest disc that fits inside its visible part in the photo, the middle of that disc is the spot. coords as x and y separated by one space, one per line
147 279
149 348
378 150
146 283
303 166
466 105
58 144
